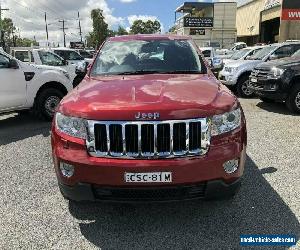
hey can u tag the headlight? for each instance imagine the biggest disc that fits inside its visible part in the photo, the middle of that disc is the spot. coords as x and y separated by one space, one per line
226 122
72 126
276 73
230 70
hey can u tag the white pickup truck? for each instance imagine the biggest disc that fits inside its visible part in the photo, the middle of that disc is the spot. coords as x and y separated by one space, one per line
47 57
26 86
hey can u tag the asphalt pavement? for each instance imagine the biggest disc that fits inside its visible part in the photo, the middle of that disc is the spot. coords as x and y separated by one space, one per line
33 215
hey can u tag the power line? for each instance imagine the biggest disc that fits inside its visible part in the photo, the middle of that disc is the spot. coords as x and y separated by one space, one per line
63 29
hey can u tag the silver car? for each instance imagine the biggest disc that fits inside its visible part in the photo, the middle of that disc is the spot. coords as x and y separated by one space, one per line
236 74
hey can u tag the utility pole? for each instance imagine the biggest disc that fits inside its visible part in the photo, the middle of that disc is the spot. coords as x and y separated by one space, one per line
80 31
63 29
47 34
1 31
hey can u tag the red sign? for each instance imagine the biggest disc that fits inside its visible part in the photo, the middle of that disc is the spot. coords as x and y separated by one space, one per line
290 10
290 14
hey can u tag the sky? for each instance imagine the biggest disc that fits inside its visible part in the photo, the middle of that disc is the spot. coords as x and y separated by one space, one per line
28 15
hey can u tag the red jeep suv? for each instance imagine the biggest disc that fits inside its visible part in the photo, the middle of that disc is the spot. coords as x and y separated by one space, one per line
149 122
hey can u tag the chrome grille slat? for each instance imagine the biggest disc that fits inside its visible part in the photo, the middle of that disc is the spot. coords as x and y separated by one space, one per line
128 137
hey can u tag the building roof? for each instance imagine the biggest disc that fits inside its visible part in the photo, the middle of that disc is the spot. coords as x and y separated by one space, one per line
191 5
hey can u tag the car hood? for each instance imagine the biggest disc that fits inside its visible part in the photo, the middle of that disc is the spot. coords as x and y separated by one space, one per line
243 63
173 96
46 67
284 62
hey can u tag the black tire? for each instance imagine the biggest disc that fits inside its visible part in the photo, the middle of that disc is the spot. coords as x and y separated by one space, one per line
242 87
293 100
46 103
266 100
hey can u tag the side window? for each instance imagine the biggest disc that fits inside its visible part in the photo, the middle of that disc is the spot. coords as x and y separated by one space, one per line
296 47
4 62
284 51
22 56
61 54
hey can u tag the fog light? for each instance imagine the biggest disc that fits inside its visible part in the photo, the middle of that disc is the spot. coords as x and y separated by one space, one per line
66 169
231 166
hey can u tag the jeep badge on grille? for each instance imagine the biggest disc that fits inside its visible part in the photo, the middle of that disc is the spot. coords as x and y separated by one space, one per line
146 116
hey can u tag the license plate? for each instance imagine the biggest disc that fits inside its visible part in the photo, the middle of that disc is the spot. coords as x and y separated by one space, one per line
154 177
253 79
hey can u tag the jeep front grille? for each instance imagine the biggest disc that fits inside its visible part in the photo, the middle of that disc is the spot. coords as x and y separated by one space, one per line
148 139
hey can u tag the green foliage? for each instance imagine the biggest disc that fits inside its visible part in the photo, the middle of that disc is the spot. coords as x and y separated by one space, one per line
26 42
172 29
148 27
10 38
121 31
100 29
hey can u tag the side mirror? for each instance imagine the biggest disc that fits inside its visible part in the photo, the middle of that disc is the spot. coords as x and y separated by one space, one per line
65 62
81 68
273 57
13 64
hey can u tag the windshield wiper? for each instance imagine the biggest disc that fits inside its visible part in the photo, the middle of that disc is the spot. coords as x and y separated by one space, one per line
138 72
144 72
181 72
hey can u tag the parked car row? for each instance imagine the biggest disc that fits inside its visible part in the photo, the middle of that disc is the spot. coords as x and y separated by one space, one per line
270 71
68 59
27 86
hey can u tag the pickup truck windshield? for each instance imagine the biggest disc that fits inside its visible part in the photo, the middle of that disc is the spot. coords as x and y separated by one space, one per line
50 59
240 54
147 57
296 54
261 54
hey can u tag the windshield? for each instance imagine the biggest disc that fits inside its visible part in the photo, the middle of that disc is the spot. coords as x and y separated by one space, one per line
261 54
146 57
69 55
240 54
85 54
296 54
50 59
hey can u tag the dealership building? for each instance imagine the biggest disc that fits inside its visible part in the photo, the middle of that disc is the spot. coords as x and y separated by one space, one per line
207 21
268 21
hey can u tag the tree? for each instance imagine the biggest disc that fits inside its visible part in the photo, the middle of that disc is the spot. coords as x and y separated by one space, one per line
121 31
172 29
100 29
147 27
8 30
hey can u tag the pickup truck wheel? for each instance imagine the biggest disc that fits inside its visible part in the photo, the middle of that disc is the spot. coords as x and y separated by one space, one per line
47 102
267 100
293 100
242 87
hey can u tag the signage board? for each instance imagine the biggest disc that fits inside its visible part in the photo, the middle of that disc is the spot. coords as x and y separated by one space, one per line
76 45
200 32
290 10
198 22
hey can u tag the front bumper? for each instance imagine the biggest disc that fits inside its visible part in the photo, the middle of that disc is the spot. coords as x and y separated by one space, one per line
210 190
262 89
92 173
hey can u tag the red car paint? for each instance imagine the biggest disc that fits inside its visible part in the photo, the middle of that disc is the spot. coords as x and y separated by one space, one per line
183 96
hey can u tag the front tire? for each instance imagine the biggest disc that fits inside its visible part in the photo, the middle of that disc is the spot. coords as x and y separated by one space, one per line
242 87
293 100
46 103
